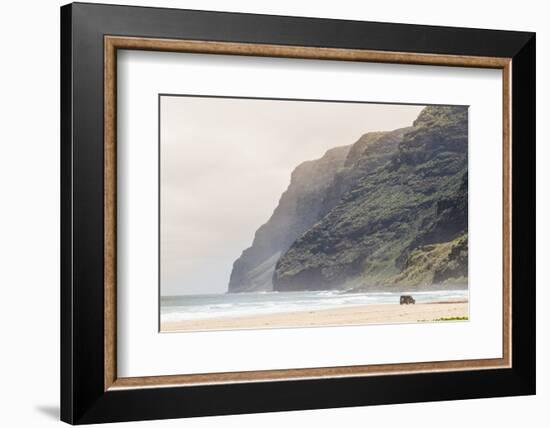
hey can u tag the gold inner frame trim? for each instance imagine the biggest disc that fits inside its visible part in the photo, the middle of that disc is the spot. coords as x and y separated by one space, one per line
113 43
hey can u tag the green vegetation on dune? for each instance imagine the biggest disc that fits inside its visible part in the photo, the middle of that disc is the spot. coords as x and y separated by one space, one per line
444 319
451 319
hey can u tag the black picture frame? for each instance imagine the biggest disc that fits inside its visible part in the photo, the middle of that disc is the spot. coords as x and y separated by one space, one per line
83 396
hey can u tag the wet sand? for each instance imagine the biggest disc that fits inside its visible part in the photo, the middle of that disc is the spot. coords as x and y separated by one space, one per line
350 315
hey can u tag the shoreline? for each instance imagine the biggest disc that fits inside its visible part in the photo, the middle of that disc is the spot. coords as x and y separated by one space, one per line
380 313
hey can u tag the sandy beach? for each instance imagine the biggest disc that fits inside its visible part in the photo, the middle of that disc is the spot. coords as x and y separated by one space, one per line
354 315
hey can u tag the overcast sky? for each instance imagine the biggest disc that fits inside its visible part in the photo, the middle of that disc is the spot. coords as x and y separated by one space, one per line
225 163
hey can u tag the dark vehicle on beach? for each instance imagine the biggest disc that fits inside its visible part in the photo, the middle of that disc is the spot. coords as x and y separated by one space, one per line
406 300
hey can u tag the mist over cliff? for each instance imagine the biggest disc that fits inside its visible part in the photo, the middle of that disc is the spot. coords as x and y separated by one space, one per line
299 208
390 210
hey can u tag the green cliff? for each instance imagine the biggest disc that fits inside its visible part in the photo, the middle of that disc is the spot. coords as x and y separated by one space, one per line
374 235
391 210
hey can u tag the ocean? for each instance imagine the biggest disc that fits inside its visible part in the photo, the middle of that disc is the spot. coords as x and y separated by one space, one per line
208 306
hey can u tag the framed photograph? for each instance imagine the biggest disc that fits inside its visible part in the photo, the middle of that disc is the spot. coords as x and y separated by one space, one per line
265 213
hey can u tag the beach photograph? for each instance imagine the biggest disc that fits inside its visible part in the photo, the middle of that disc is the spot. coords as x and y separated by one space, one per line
283 213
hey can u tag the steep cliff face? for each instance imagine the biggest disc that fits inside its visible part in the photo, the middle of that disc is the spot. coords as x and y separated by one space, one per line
388 212
315 188
300 206
370 152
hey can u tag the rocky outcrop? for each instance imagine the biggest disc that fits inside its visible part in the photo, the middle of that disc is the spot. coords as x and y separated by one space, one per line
444 263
